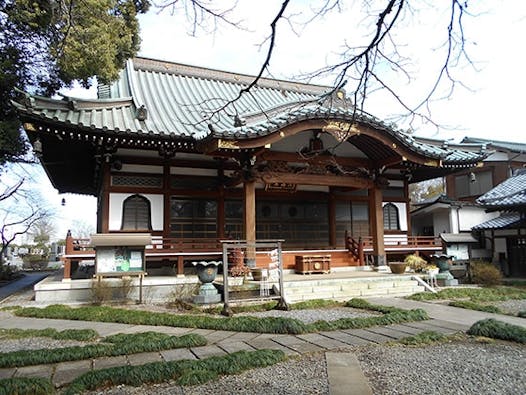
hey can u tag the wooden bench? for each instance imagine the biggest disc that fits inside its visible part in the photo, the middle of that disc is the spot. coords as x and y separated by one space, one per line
308 264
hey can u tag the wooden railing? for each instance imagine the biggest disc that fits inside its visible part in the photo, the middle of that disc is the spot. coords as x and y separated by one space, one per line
399 243
162 248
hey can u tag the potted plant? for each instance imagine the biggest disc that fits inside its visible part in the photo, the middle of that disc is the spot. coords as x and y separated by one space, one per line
397 267
415 262
238 274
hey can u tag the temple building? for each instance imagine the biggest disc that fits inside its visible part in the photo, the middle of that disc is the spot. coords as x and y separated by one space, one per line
191 156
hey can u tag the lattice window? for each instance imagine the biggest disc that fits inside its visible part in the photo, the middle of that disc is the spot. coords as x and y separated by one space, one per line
391 220
137 181
136 213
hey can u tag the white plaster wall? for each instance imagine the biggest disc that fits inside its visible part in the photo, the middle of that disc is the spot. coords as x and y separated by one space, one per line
402 213
441 223
472 216
500 246
116 200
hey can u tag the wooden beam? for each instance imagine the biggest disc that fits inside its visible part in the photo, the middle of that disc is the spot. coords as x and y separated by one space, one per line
295 157
317 179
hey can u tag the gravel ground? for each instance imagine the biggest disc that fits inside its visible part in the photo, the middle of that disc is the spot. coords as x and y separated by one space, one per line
313 315
512 306
461 367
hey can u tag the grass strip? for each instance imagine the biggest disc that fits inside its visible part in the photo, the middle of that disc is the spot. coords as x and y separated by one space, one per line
113 346
488 294
423 338
184 372
498 330
391 315
26 386
466 304
66 334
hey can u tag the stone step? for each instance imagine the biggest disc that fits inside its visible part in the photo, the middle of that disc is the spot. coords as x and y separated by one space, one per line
344 289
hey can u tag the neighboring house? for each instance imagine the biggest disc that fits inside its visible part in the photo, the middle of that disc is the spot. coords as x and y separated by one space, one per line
506 234
457 211
169 150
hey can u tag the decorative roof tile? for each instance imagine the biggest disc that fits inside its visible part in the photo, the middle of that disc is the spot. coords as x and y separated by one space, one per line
509 193
504 221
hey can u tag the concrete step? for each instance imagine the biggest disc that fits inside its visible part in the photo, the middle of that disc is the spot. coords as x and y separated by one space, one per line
345 289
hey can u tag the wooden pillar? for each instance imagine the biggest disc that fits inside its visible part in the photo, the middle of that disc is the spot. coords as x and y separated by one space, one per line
166 202
249 218
67 262
105 193
332 220
221 222
377 226
407 208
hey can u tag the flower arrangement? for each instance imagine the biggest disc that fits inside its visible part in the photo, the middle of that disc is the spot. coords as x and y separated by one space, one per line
415 262
239 271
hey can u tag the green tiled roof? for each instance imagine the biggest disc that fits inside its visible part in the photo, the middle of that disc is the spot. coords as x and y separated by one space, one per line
187 102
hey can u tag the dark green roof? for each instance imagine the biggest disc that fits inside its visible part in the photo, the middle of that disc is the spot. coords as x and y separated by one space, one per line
163 100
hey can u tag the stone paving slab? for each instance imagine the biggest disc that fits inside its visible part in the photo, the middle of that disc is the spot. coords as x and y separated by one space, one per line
408 330
368 335
298 345
390 332
110 362
425 326
202 332
243 336
231 347
261 344
449 325
177 354
66 372
345 375
144 357
322 341
219 336
5 373
34 371
208 351
347 338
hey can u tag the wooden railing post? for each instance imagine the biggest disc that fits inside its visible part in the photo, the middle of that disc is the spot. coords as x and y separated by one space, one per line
68 250
361 256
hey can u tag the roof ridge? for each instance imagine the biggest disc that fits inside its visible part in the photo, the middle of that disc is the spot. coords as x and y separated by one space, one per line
169 67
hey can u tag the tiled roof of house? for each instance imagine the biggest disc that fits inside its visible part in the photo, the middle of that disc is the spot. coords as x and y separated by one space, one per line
508 194
158 99
504 221
504 145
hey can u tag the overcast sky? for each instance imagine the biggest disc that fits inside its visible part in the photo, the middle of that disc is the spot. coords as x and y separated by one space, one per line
491 108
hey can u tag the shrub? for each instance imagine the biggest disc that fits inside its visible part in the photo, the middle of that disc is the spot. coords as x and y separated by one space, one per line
498 330
466 304
184 372
415 262
26 385
101 291
485 273
426 337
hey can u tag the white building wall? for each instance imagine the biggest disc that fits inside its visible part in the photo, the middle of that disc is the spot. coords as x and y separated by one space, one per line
156 204
441 223
402 213
472 216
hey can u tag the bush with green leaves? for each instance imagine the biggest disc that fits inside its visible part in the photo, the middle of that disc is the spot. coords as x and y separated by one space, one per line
498 330
184 372
493 294
26 386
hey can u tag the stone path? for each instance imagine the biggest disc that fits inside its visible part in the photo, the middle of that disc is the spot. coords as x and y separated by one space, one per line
444 319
